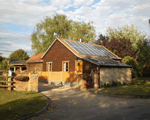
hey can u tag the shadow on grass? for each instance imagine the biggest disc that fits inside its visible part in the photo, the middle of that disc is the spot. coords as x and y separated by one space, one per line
19 108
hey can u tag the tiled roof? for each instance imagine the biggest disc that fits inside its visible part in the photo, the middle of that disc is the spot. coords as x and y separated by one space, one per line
35 58
106 62
17 62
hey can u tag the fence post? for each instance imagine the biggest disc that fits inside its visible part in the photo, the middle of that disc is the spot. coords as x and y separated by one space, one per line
10 80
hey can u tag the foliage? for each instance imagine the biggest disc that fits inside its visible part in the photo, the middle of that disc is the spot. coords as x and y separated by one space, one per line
114 83
119 46
136 70
1 58
19 55
102 40
5 65
128 32
143 54
43 36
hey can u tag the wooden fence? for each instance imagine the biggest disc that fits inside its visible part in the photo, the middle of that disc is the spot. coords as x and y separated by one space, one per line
6 80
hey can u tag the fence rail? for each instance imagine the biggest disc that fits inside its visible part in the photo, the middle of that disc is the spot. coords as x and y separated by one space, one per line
8 82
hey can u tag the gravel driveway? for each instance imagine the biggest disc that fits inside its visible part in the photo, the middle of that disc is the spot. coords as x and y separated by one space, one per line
71 104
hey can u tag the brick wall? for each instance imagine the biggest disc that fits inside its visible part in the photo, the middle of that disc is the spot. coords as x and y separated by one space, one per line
31 66
30 85
116 74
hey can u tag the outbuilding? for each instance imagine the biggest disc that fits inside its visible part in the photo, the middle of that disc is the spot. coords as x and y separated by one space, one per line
65 59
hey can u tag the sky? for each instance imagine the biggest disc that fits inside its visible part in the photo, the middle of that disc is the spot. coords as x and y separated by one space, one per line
18 18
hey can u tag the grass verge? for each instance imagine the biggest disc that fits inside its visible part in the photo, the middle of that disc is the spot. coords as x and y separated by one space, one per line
17 104
139 89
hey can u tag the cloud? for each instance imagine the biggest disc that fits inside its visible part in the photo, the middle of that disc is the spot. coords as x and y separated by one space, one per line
104 14
82 2
60 2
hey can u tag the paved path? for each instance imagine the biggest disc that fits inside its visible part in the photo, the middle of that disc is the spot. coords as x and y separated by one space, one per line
71 104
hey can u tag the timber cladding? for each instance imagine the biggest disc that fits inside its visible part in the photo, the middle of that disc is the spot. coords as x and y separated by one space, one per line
87 66
31 66
57 54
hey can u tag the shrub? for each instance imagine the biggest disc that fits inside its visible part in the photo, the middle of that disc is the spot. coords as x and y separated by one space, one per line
105 85
124 83
119 83
135 66
114 83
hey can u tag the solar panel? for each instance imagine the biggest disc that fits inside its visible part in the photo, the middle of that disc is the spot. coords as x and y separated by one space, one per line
87 49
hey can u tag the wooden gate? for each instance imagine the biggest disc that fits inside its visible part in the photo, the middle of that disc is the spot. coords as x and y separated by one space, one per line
5 80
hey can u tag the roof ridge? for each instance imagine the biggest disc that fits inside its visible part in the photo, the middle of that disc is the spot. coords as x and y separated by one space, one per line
79 41
62 39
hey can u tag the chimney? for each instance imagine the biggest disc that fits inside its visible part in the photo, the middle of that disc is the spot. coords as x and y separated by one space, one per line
80 40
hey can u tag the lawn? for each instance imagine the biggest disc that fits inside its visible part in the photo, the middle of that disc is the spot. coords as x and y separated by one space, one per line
140 89
14 104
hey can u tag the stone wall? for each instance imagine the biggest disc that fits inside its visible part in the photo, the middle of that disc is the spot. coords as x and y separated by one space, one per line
115 74
30 85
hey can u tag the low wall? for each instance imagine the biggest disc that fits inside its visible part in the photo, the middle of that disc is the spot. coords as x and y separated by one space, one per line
30 85
108 75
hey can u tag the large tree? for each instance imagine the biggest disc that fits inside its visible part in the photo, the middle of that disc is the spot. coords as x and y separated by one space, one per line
119 46
128 32
19 55
59 26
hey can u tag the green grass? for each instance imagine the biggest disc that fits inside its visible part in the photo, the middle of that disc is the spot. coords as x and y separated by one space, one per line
140 89
14 104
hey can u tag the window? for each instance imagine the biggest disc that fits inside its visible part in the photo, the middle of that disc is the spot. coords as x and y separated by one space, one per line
65 66
49 66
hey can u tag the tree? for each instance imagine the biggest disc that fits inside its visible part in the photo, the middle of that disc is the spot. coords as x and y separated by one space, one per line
19 55
102 40
128 32
135 66
43 36
1 58
5 65
119 46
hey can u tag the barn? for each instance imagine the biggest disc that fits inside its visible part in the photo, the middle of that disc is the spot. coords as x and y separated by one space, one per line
65 59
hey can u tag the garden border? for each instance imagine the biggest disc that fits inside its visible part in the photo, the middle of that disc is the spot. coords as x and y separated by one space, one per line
40 111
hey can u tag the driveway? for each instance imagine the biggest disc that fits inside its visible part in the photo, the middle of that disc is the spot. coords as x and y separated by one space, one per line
71 104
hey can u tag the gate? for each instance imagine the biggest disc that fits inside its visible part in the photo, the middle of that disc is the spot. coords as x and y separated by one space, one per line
5 80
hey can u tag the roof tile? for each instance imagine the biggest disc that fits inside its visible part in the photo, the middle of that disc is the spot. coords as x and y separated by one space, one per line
35 58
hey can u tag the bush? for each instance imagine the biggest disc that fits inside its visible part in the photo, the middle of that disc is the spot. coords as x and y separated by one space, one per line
136 69
124 83
105 85
5 65
114 83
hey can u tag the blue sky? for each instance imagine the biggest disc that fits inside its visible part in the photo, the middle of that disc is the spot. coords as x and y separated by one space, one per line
19 17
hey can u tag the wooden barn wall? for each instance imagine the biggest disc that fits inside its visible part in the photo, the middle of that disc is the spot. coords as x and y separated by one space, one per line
58 53
87 66
31 66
